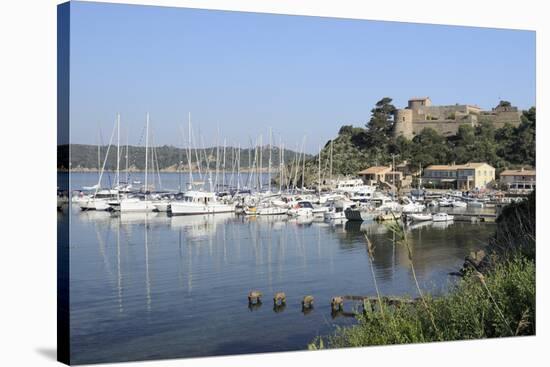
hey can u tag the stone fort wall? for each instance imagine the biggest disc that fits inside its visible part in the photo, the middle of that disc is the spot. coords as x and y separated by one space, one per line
446 120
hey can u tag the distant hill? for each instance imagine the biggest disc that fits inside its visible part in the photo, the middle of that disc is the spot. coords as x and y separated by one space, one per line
85 157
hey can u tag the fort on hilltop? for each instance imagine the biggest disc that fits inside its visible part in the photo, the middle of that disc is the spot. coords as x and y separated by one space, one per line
421 114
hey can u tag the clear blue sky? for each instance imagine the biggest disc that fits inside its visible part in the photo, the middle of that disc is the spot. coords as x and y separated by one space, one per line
246 72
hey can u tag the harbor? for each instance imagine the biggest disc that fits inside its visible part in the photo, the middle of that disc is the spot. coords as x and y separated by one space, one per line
233 241
142 278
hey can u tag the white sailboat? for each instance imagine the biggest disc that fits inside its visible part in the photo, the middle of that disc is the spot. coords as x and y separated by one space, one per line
142 202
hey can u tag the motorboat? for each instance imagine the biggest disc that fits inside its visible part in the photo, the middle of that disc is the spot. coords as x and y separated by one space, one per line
445 203
271 210
320 211
337 210
301 208
458 204
442 217
361 214
420 217
99 200
413 207
135 203
354 186
199 202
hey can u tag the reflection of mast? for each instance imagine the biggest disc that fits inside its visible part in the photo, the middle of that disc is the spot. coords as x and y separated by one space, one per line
147 279
189 267
119 274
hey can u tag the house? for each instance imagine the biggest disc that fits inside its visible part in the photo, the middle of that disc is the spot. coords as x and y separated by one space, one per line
375 174
518 179
467 176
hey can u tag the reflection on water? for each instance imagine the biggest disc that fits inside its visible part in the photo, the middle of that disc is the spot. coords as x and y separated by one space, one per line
148 285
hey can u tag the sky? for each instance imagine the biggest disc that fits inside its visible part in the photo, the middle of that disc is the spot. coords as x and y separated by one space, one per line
243 74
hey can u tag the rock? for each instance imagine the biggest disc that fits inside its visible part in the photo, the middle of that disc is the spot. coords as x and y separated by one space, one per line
337 303
279 297
254 296
307 302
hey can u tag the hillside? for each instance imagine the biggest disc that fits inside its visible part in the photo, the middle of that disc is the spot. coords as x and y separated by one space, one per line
356 148
85 157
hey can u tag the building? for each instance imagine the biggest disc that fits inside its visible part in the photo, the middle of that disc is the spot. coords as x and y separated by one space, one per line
374 175
467 176
518 179
421 114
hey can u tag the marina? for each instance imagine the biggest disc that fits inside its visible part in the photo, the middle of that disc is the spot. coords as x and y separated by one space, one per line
142 278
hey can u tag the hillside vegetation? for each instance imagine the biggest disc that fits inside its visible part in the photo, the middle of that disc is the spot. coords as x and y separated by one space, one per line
356 148
85 157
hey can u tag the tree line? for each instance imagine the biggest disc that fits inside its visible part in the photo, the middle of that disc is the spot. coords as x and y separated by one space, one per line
84 156
356 148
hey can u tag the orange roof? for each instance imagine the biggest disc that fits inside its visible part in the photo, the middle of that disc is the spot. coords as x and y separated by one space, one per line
374 170
518 172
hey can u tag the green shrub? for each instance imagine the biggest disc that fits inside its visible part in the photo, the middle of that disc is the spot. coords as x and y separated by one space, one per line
499 304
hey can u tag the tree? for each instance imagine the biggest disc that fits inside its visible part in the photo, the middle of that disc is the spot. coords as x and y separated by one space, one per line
429 148
379 128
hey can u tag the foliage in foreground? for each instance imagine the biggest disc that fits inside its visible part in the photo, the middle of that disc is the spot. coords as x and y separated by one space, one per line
500 304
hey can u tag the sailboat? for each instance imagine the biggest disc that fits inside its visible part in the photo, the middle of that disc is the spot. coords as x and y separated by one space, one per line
198 202
99 200
139 202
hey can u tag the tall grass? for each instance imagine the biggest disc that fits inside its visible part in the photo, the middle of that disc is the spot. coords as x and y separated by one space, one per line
467 312
499 303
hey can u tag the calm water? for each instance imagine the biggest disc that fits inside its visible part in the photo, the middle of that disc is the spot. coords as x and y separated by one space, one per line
148 286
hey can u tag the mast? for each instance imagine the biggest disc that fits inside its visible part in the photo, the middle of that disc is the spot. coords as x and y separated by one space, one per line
260 183
269 164
189 154
217 159
118 155
146 148
223 177
303 163
127 183
239 166
281 160
319 171
99 154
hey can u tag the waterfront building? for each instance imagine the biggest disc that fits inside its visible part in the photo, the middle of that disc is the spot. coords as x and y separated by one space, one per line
518 179
420 114
469 176
374 175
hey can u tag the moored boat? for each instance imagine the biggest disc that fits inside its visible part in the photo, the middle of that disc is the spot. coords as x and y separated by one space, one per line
442 217
420 217
199 202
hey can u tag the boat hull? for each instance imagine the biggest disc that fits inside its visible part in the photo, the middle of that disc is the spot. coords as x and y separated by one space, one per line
185 208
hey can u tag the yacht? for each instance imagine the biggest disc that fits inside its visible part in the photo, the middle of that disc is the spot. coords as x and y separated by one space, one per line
135 203
353 186
99 200
199 202
337 210
458 204
360 214
302 208
412 207
442 217
420 217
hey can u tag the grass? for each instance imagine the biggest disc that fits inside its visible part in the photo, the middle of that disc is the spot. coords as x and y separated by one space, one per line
500 302
500 305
